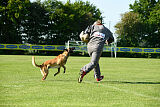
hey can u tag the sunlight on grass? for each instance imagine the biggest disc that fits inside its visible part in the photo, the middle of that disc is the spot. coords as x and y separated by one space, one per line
128 82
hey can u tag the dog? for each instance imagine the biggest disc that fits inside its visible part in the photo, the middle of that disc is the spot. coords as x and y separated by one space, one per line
57 62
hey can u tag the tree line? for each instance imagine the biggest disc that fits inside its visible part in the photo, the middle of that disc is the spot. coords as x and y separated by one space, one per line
141 26
55 22
50 22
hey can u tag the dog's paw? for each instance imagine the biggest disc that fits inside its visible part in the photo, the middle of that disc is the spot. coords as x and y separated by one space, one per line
42 79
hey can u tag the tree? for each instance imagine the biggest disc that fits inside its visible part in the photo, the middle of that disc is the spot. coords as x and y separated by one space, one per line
56 23
49 22
67 20
35 26
149 12
11 14
130 30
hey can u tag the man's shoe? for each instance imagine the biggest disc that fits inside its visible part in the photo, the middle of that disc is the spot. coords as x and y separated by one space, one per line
100 78
82 74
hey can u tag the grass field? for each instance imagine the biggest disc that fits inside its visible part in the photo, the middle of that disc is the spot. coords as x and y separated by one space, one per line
128 82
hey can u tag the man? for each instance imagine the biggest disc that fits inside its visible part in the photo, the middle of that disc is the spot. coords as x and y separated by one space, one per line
98 36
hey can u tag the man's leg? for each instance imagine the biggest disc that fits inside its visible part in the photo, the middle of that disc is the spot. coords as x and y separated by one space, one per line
94 61
87 68
97 72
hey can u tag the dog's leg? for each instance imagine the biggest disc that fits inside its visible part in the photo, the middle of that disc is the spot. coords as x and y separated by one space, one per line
42 72
64 68
57 72
45 74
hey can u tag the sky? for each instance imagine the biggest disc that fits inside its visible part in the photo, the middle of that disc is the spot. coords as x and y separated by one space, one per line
111 10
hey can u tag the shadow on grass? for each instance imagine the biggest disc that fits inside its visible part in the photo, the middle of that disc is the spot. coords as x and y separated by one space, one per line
125 82
108 82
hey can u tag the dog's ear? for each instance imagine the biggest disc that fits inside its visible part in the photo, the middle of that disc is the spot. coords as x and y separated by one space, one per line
65 49
73 48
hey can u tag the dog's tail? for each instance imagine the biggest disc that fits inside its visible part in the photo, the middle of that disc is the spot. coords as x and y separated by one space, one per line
33 62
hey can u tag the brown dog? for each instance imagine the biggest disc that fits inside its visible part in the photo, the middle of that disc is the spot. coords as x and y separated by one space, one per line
57 62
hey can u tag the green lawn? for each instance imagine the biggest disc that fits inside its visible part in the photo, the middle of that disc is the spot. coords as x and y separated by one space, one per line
128 82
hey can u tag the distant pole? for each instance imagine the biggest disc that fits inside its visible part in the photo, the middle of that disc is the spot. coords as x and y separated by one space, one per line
111 50
68 44
109 24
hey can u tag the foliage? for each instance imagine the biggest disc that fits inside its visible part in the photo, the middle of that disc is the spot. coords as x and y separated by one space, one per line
35 26
68 20
149 11
148 27
129 30
49 22
12 13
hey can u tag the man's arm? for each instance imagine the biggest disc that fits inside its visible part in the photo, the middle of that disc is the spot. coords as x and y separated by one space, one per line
110 40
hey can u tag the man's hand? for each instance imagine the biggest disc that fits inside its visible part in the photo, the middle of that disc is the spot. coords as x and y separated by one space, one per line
106 42
110 40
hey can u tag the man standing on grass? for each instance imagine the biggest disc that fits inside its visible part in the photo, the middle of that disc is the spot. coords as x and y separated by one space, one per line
98 36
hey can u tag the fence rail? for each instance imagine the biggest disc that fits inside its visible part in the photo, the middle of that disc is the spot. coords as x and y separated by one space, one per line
78 48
